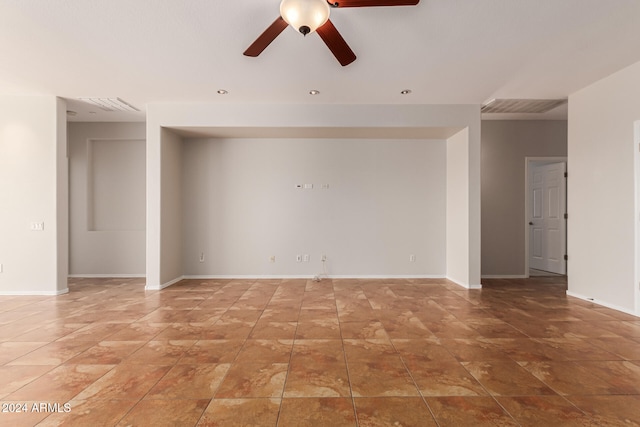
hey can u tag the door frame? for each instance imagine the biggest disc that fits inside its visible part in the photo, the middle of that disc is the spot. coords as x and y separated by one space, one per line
528 163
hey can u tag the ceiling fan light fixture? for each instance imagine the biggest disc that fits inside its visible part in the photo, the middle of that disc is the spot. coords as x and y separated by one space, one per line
305 16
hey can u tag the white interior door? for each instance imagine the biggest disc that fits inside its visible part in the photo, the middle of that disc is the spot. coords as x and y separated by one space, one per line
547 224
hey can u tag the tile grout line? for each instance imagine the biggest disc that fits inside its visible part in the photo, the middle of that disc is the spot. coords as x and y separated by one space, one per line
225 374
180 358
154 384
344 355
414 381
284 385
528 303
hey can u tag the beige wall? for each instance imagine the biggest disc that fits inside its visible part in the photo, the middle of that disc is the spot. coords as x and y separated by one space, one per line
171 210
602 202
33 185
505 145
308 118
385 201
457 208
107 199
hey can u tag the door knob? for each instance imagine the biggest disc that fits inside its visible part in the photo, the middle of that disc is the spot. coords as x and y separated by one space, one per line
530 222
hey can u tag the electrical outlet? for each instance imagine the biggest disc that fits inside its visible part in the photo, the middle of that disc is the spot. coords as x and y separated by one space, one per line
412 258
37 226
1 268
272 258
323 258
298 258
201 256
306 258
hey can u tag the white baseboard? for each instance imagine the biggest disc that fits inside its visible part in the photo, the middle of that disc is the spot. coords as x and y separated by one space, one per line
396 276
243 276
603 303
337 276
35 293
164 285
504 276
306 277
106 276
464 284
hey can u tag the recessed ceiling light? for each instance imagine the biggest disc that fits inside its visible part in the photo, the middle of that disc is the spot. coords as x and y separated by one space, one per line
314 92
222 92
405 92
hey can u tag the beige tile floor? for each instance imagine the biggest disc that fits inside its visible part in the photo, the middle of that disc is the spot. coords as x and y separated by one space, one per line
329 353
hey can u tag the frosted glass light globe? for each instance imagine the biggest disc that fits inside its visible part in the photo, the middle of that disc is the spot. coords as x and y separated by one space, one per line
306 16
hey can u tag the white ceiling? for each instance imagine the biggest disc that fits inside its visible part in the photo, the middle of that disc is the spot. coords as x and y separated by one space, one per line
445 51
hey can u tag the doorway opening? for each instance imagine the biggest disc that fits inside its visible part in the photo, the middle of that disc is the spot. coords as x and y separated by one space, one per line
545 216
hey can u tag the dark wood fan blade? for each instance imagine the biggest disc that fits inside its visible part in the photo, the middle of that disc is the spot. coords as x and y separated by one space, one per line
371 3
336 44
266 38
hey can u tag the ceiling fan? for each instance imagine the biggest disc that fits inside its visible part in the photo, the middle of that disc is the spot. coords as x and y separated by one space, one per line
308 16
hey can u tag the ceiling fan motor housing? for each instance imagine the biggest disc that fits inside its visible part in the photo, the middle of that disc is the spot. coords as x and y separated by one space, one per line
304 30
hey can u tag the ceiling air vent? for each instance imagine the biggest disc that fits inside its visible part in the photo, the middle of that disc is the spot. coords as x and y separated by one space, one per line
110 104
521 105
